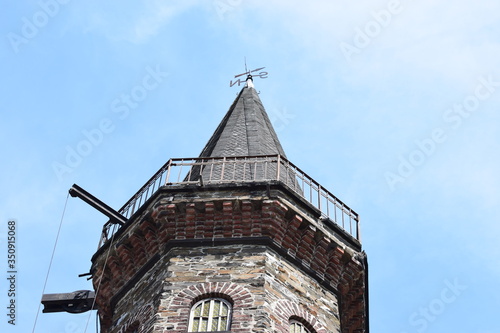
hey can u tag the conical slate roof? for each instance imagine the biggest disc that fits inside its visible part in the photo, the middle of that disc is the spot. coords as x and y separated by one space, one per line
244 134
245 130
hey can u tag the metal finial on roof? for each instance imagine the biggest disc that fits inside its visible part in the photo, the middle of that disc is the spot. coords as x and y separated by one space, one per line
250 81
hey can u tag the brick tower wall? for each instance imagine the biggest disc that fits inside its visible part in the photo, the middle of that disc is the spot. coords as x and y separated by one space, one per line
272 260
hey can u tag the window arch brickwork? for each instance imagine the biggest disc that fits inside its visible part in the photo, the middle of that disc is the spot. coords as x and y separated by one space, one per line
133 328
175 315
143 315
210 315
298 327
285 311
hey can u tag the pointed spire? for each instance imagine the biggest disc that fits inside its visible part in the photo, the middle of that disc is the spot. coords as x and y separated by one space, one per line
245 130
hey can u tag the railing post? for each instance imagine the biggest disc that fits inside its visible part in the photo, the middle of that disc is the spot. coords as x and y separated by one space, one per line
104 236
169 164
212 163
358 229
319 197
223 167
278 168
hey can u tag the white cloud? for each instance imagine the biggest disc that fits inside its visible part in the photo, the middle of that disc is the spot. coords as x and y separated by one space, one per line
136 23
434 37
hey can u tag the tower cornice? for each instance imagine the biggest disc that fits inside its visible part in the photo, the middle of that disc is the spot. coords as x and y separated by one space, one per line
225 215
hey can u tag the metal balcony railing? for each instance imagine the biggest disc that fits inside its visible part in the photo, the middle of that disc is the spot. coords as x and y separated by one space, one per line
243 169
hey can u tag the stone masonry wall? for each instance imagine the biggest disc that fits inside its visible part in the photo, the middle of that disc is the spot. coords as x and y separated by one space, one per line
265 291
293 294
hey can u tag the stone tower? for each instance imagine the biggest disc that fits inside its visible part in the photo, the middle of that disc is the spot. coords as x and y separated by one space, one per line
236 240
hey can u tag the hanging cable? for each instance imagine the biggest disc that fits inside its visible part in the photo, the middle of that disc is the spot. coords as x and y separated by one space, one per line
100 279
50 263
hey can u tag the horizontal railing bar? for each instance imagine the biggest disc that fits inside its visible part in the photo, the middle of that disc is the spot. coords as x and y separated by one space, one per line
162 169
243 169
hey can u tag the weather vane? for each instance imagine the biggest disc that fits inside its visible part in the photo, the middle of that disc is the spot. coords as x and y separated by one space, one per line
262 75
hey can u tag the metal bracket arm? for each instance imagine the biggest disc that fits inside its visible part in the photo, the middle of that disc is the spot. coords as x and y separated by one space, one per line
114 216
75 302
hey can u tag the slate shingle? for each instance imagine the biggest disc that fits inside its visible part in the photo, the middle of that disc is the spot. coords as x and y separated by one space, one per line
244 131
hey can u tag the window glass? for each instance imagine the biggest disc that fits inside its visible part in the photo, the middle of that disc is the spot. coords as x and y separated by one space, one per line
296 327
210 315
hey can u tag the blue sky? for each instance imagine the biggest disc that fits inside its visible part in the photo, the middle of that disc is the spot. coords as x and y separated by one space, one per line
391 105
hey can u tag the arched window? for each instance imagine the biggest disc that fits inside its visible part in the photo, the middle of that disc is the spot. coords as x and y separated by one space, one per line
210 315
297 327
133 328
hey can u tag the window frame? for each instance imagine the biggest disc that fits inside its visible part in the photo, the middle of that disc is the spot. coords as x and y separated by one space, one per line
211 301
303 328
